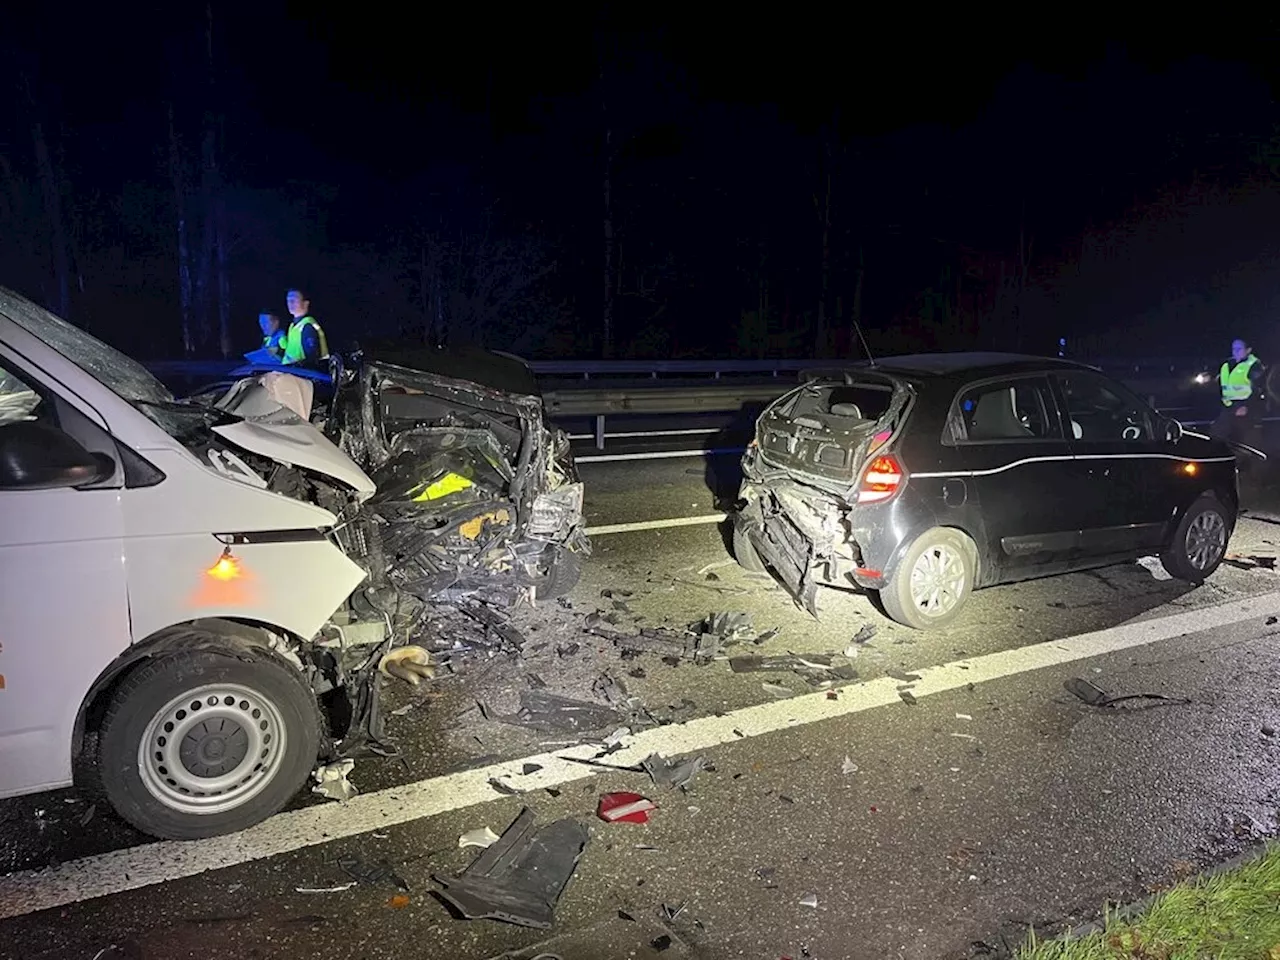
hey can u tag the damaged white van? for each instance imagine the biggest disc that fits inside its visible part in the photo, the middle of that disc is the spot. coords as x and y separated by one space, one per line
159 598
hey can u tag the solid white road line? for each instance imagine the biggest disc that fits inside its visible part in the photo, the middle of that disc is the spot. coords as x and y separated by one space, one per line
28 891
654 524
692 431
656 455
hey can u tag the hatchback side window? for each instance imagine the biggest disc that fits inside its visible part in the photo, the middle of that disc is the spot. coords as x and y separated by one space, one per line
1099 410
1006 410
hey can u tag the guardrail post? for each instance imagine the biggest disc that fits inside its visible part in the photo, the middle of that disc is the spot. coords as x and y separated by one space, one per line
599 431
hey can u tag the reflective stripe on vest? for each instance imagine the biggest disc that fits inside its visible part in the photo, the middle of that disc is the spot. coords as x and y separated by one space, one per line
1235 381
293 351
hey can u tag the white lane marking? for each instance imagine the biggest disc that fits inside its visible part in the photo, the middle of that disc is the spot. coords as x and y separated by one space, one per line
654 524
648 433
657 455
1083 456
110 873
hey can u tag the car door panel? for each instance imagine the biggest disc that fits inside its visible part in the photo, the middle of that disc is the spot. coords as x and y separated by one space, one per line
1113 439
1021 468
65 603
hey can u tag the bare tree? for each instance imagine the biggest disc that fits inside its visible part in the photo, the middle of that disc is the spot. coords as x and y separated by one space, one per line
180 221
51 195
609 284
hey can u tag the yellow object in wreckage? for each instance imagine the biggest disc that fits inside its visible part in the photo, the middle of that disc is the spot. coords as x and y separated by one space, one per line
449 483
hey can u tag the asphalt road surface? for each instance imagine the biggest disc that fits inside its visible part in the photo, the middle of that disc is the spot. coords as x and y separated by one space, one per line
836 822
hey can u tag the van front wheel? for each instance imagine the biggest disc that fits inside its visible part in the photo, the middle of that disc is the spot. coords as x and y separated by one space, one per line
200 743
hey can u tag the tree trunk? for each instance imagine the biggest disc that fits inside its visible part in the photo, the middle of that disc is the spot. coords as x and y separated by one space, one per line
824 288
184 250
204 267
51 194
224 280
610 286
607 311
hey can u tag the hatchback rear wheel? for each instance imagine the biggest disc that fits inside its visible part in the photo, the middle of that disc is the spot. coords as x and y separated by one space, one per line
1200 541
933 581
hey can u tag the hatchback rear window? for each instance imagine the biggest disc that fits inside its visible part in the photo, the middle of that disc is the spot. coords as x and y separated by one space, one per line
856 401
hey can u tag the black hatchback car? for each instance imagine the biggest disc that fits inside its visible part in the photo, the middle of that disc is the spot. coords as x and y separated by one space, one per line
925 477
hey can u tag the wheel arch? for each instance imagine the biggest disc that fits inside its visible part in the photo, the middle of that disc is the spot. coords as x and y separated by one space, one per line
979 567
247 638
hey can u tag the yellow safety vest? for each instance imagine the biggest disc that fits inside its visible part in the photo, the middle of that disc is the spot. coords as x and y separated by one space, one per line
293 352
1235 382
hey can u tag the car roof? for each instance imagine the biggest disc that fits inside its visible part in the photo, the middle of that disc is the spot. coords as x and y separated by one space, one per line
497 371
972 363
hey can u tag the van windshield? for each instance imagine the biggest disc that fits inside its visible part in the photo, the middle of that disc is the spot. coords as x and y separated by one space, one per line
184 421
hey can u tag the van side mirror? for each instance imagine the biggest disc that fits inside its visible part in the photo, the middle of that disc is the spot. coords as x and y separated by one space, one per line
1172 431
36 456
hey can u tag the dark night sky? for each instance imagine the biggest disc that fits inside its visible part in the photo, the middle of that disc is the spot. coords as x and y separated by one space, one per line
376 137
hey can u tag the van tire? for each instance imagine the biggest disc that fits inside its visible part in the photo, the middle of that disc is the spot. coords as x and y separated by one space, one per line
260 704
564 570
947 546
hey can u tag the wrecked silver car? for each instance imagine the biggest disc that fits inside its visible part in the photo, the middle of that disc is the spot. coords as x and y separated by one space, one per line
476 493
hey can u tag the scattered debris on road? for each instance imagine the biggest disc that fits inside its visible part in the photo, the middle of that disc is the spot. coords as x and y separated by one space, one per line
908 697
848 766
777 690
331 780
1095 696
519 879
664 773
625 808
809 900
340 888
372 873
481 837
1154 567
551 712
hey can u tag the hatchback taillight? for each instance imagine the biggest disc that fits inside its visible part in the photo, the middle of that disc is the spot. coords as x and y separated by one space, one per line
881 480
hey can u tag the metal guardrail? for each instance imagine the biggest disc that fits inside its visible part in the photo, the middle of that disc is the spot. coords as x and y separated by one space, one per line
649 395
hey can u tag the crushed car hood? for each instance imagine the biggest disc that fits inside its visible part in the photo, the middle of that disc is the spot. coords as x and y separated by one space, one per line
288 439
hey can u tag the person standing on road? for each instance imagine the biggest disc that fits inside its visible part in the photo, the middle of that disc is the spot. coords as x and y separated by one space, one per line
1242 379
304 340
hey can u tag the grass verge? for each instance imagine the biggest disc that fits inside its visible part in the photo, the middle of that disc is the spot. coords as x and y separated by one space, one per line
1233 915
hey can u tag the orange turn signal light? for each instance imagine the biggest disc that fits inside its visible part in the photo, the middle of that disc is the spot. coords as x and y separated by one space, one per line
1190 469
227 567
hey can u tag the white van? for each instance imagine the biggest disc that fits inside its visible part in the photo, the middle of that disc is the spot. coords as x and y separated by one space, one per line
155 589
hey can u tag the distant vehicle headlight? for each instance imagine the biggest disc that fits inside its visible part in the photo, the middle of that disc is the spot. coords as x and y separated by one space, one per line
1200 378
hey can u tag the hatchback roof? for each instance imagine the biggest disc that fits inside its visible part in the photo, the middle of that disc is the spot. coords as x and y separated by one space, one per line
948 364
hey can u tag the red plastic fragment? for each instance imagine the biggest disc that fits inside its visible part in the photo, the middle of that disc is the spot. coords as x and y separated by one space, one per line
625 808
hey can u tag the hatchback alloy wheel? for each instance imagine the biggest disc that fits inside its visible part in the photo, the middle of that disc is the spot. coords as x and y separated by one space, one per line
938 580
1206 540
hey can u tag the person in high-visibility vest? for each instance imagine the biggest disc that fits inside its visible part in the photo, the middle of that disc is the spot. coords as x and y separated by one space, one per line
272 334
304 340
1242 380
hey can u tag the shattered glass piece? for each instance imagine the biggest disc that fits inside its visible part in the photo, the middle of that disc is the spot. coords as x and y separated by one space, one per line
520 878
908 697
529 768
809 900
1088 692
848 766
776 690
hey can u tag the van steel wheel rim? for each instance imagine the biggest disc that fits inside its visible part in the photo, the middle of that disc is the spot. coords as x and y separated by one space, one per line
212 749
937 581
1206 540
